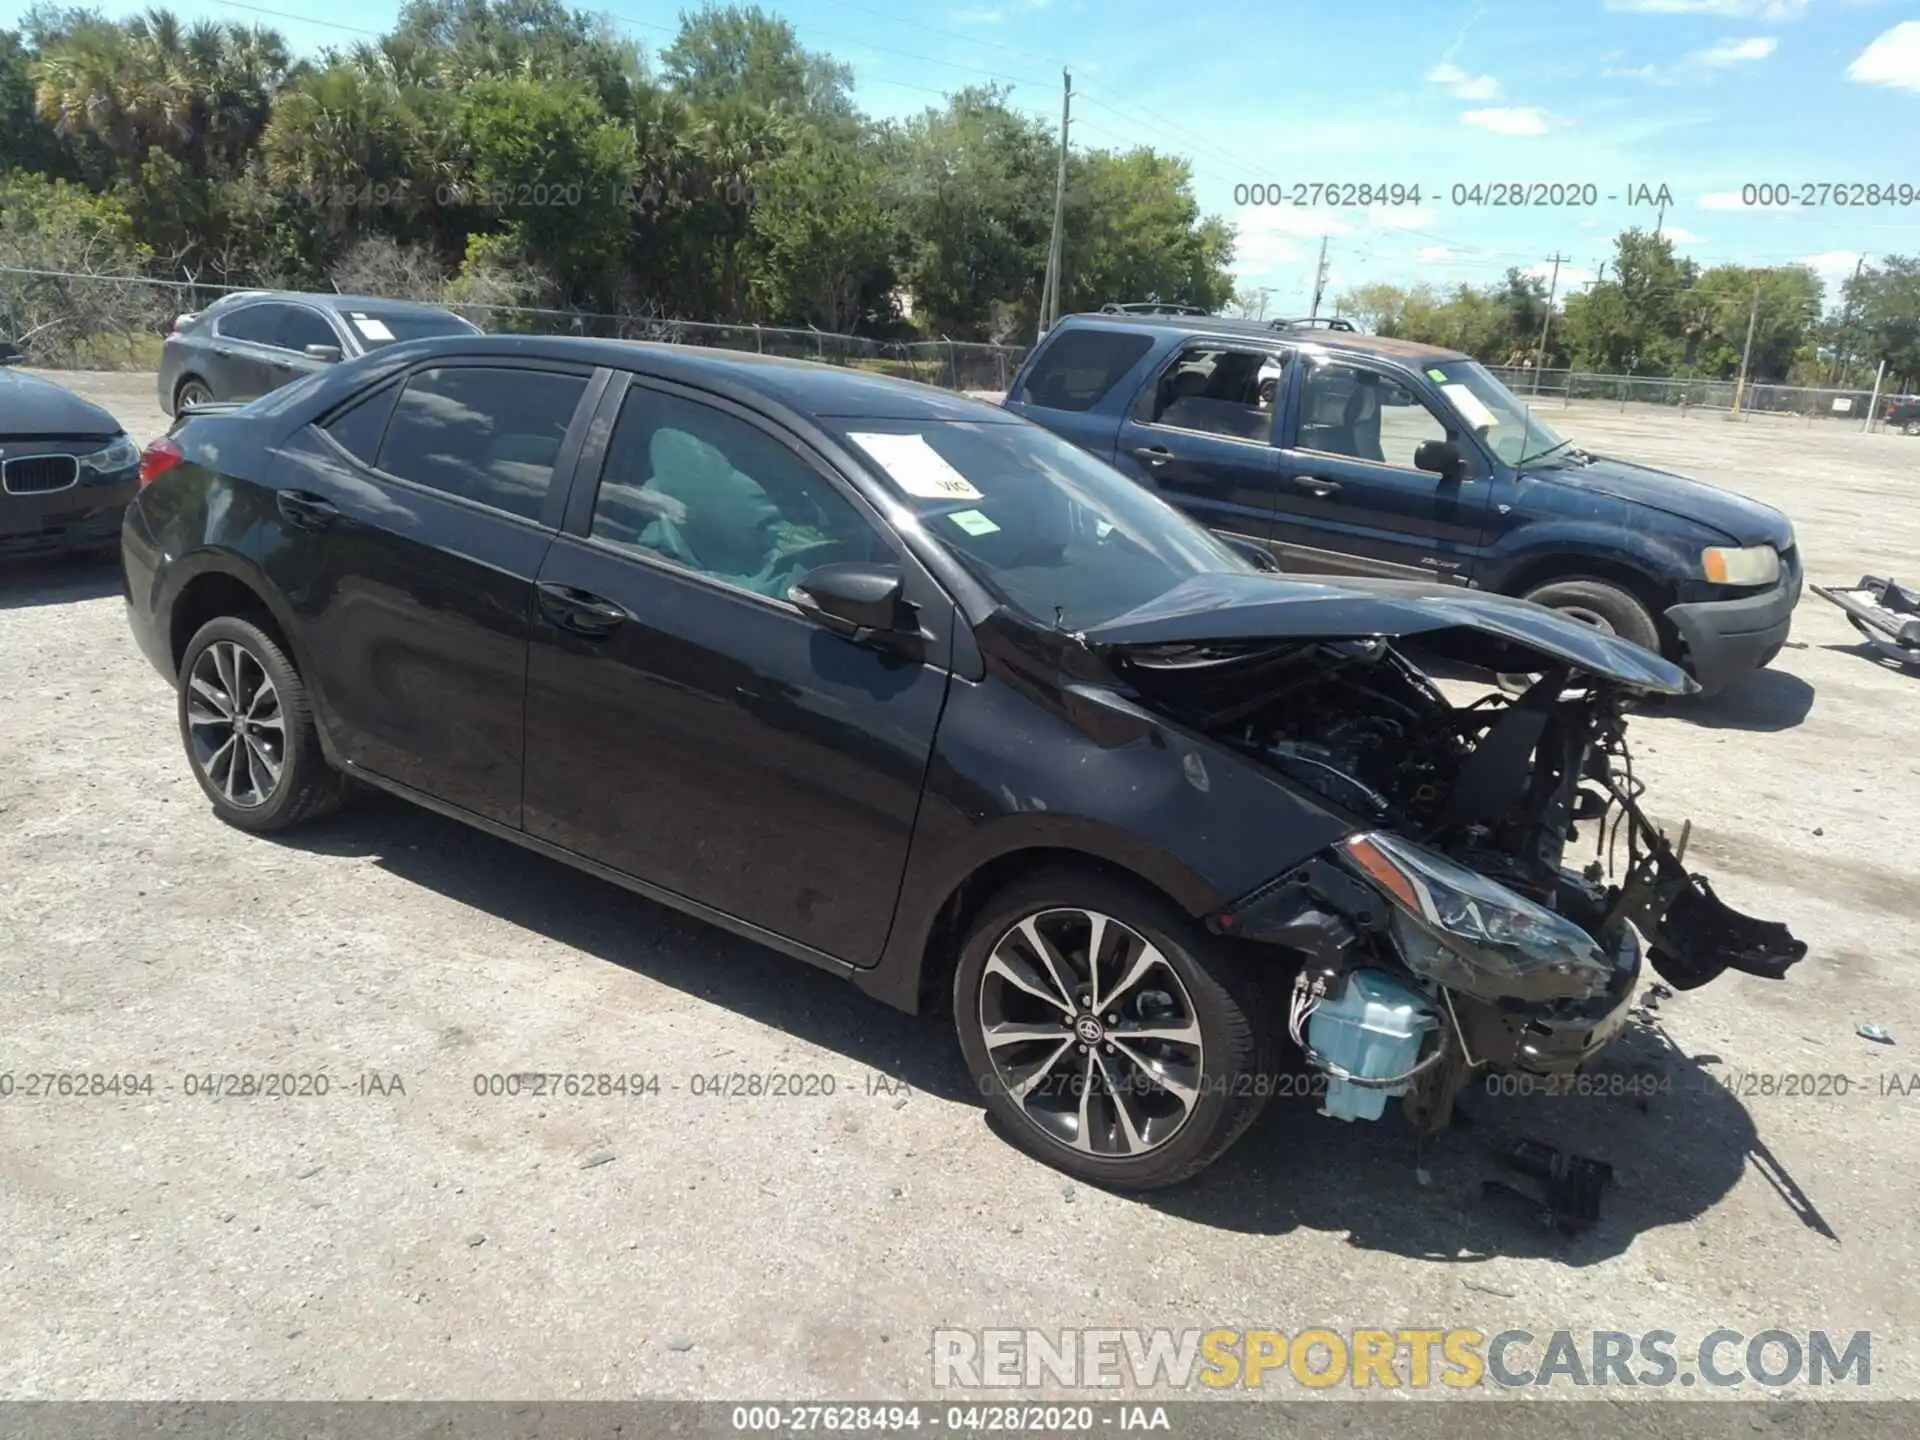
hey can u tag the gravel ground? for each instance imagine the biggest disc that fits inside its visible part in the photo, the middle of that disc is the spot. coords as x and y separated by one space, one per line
433 1242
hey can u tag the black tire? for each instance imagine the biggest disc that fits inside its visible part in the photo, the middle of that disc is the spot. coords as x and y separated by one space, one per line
1603 605
305 786
1236 1048
1912 427
191 390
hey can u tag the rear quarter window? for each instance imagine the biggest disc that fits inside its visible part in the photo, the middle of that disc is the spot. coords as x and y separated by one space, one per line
1077 367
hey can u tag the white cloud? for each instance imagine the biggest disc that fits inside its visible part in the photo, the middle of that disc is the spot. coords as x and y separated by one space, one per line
1628 72
1892 59
977 17
1508 120
1291 220
1835 267
1680 235
1734 52
1728 9
1434 254
1460 84
1414 217
1570 275
1723 200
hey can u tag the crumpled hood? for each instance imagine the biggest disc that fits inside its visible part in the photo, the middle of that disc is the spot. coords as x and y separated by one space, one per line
1494 632
1744 521
30 406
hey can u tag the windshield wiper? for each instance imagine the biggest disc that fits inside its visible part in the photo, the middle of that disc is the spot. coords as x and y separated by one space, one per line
1541 455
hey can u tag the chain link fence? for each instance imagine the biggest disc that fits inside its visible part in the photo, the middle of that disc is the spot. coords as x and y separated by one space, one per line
1680 392
73 321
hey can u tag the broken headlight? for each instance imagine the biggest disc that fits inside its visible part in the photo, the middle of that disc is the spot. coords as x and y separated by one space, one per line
1468 933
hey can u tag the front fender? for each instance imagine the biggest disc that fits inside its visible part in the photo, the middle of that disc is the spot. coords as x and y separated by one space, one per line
1664 549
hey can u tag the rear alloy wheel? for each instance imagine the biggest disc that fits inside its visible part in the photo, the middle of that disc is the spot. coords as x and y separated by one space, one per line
192 391
249 731
1104 1035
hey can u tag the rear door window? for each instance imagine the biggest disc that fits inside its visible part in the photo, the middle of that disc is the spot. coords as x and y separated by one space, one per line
1215 390
257 324
1077 367
489 434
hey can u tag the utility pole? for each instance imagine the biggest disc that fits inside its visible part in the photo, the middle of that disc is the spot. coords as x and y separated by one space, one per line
1050 291
1319 280
1753 314
1546 321
1845 343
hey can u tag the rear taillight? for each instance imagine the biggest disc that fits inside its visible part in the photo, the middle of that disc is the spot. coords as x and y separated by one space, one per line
180 322
158 458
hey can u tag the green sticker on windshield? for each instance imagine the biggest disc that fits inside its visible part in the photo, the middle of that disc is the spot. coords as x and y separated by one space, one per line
1439 377
973 522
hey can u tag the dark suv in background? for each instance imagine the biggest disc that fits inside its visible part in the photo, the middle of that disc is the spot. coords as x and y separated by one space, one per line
1353 454
248 343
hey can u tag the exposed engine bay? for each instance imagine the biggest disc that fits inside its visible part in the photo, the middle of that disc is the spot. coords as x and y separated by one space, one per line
1458 928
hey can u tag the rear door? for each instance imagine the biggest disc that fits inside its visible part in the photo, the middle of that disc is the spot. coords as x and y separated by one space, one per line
414 522
246 345
300 327
1350 499
1079 382
1200 433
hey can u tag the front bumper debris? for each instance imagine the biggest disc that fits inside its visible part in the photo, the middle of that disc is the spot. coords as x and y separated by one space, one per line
1884 611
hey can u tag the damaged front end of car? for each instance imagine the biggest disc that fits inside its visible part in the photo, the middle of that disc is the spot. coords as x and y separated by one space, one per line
1453 931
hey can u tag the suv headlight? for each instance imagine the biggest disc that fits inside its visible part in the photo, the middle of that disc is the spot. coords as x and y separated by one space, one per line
121 455
1466 932
1749 565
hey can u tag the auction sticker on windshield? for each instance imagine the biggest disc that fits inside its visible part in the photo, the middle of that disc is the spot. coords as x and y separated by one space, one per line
916 467
973 522
371 328
1468 404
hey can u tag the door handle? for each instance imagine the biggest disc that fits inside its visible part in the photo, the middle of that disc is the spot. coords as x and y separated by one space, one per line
223 352
1154 454
283 365
580 611
1314 485
308 512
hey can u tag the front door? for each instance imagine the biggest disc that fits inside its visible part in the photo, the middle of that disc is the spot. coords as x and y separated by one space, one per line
685 723
1350 499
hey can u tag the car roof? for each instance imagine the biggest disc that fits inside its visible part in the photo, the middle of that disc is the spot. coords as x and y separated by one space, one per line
1226 328
340 304
831 392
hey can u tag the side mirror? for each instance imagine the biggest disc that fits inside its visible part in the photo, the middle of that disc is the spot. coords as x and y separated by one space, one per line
1441 457
325 354
1254 553
859 602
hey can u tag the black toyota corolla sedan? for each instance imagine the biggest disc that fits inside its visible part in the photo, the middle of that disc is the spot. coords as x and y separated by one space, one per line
916 691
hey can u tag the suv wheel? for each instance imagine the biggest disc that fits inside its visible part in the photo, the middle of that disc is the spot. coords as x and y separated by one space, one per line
1912 427
248 729
1105 1034
1606 607
191 391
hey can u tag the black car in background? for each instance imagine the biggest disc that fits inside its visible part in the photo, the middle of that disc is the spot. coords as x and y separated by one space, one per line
1351 454
1902 413
254 341
918 692
67 469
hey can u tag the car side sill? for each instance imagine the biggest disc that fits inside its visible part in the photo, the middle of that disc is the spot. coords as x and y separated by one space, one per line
672 899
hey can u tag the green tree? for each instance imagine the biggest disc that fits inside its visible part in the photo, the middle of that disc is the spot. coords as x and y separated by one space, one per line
1133 230
823 234
743 54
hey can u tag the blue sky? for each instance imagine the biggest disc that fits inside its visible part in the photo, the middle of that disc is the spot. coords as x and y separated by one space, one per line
1701 96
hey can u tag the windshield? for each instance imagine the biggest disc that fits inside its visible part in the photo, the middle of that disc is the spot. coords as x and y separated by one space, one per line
1057 534
1500 416
389 327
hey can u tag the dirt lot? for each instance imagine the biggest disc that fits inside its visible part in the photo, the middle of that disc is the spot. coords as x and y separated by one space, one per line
438 1243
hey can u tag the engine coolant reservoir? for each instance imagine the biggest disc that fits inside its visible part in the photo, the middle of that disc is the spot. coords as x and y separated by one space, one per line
1374 1029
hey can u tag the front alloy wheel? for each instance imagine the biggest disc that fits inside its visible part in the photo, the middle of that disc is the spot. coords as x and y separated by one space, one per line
1108 1034
1091 1032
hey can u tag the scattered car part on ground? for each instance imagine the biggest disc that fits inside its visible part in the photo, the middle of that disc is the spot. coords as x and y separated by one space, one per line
919 692
1570 1185
1346 453
1884 611
253 341
67 468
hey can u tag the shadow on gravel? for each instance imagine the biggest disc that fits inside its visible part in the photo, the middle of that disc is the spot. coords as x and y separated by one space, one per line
1673 1160
612 924
1875 657
1766 700
1296 1170
58 580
